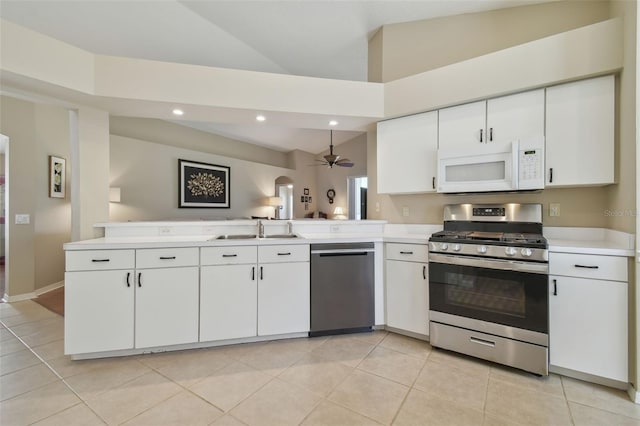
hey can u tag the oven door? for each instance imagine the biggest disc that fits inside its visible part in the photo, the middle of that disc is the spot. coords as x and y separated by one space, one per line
506 292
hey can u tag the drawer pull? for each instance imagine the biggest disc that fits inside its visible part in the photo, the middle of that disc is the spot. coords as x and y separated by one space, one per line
139 279
587 266
483 342
555 287
99 260
253 273
128 276
229 255
424 272
167 257
261 277
284 254
406 252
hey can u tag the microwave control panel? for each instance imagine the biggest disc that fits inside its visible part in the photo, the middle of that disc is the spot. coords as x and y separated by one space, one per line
531 168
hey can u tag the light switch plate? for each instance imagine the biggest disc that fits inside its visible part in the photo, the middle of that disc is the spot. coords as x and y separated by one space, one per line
23 219
405 211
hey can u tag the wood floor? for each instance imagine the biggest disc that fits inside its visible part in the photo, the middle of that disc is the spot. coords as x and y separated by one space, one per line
53 300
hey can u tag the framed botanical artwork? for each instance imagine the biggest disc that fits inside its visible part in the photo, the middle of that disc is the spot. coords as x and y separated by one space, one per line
204 185
57 176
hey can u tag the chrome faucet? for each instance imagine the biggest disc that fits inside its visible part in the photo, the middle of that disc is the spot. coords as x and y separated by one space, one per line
289 227
260 229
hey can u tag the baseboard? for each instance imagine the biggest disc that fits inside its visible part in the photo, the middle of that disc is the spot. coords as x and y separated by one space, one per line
633 394
33 294
49 287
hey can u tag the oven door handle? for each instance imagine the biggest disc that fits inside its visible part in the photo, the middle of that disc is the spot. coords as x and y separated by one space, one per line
505 265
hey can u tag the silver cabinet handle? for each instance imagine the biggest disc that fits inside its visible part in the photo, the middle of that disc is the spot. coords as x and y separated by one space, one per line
483 342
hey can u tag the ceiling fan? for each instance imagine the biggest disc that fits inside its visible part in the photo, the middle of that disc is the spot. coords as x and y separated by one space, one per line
334 160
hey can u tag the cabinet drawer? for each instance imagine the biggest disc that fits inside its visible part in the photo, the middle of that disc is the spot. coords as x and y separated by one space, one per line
283 253
95 260
166 257
231 255
408 252
613 268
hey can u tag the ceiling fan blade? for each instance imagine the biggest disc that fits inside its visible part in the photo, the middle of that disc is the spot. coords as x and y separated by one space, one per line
344 164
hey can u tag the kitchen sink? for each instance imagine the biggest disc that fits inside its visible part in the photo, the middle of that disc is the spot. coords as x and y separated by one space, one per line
236 237
282 236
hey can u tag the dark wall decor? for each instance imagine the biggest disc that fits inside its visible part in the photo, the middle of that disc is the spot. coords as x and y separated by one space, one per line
204 185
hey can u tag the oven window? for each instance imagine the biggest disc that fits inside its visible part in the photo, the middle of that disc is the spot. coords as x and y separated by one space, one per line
515 299
497 295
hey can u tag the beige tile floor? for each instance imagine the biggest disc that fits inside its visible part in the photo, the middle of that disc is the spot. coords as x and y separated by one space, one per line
364 379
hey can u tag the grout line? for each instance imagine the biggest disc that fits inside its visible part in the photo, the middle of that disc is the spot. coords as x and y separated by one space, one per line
57 375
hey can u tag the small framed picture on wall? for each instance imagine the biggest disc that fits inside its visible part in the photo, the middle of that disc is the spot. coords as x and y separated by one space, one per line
57 176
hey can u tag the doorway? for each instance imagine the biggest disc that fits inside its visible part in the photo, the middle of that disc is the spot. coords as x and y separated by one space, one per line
357 193
284 190
4 171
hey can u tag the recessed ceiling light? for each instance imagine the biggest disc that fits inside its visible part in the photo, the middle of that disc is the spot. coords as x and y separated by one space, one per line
178 112
261 117
333 123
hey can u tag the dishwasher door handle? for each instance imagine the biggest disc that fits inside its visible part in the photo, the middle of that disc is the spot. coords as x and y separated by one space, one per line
343 252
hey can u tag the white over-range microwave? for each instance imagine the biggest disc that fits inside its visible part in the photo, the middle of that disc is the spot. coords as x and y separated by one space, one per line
512 166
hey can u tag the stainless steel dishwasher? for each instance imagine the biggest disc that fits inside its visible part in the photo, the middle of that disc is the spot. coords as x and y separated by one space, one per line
342 288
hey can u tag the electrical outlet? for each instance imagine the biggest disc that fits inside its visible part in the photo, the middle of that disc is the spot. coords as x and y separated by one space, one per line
335 228
165 230
405 211
554 209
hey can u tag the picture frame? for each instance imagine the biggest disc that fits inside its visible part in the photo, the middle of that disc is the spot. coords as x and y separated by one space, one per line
306 191
203 185
57 176
302 198
309 199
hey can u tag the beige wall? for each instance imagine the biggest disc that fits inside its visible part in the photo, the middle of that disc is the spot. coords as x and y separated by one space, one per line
443 41
35 258
147 174
336 177
304 176
166 133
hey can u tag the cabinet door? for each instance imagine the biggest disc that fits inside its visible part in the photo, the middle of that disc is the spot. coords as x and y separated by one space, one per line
580 133
228 302
283 298
166 306
516 117
462 126
98 311
588 326
408 296
407 152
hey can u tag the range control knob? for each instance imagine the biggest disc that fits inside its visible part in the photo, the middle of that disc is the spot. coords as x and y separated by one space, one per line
510 251
526 252
456 247
482 249
444 246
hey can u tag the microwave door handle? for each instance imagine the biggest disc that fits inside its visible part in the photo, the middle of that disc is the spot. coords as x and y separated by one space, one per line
515 154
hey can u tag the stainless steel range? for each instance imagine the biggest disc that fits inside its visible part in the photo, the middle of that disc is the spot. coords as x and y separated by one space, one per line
488 278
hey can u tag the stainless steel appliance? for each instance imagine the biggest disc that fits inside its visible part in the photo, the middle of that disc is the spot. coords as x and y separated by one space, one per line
488 278
513 166
342 288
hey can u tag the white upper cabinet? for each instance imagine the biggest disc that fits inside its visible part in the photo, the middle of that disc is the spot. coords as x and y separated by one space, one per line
407 150
580 133
462 126
499 120
516 117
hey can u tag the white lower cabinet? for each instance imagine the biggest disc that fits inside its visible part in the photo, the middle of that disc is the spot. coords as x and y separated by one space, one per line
588 319
283 290
99 307
228 302
166 306
407 288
